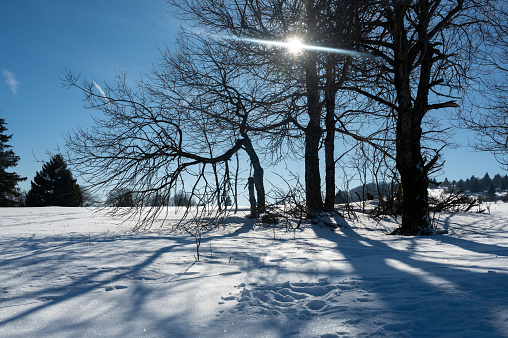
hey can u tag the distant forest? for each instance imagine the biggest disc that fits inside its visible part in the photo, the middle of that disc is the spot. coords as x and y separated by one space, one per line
476 185
486 187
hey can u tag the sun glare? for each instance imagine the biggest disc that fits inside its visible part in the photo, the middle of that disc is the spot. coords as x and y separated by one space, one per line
295 46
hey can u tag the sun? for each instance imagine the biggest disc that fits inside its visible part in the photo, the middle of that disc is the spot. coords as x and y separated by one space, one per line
295 46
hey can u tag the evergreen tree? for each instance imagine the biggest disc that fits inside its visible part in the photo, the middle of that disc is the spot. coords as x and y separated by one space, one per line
504 183
474 185
8 181
54 185
496 181
461 185
446 183
485 182
467 184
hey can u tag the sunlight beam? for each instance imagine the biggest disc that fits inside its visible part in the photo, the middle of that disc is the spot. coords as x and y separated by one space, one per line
296 45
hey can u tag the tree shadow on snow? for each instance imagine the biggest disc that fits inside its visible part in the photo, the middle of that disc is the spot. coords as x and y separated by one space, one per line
70 280
57 261
423 297
473 229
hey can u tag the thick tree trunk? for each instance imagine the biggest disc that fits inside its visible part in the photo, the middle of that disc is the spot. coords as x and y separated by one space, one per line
313 134
409 161
330 149
312 176
330 157
313 131
413 177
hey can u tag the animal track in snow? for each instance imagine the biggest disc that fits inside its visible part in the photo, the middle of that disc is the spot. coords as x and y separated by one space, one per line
303 300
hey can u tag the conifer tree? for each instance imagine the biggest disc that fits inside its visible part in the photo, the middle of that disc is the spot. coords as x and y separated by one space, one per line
8 180
461 185
496 181
485 182
475 185
54 185
504 182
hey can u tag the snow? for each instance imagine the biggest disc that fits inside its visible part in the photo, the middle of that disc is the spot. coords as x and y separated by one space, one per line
70 272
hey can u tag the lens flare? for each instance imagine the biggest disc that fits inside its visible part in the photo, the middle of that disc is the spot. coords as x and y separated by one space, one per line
295 46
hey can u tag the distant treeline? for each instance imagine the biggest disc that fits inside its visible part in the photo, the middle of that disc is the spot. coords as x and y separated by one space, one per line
472 185
477 185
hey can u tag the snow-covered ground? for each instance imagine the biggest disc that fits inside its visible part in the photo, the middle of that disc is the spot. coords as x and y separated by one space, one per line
66 272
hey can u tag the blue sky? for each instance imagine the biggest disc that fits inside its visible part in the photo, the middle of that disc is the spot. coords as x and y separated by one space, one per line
41 39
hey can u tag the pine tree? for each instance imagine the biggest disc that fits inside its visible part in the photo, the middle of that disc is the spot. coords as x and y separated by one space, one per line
54 185
504 182
497 180
485 182
461 185
8 181
474 185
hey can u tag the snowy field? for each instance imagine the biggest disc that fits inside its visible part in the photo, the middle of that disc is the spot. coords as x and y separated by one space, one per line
66 272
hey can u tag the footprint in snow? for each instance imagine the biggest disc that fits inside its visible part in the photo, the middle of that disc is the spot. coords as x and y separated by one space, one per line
49 298
316 304
303 300
115 287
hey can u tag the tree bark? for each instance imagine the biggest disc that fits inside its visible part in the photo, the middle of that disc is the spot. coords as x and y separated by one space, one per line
330 149
252 198
409 160
413 178
257 175
313 131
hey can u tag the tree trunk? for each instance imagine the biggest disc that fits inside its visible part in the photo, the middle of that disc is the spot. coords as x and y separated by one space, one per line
330 148
413 178
258 175
313 131
252 198
409 161
313 134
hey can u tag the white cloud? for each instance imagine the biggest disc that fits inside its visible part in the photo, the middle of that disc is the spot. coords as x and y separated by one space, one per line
99 89
11 80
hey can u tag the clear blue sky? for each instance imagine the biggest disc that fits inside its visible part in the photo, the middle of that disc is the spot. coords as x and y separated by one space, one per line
40 39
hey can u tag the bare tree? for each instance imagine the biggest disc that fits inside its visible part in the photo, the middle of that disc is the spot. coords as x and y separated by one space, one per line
423 49
153 137
256 31
141 145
